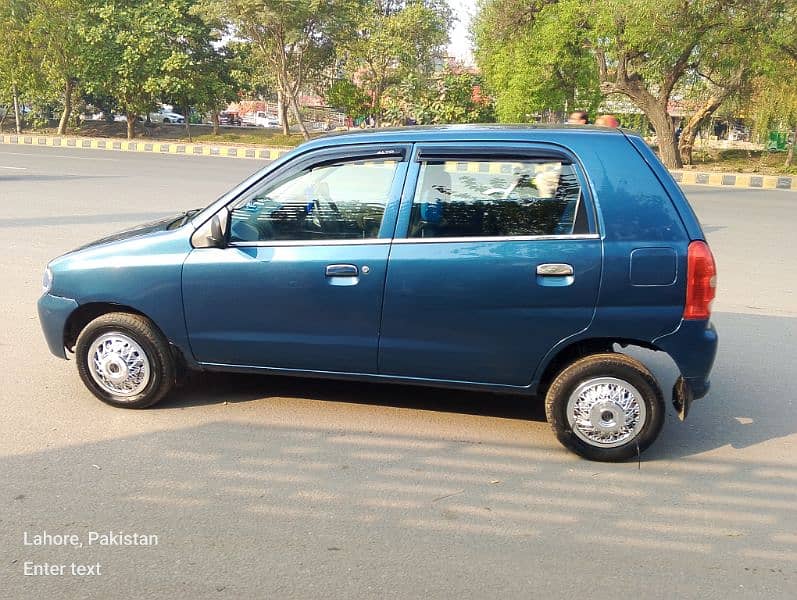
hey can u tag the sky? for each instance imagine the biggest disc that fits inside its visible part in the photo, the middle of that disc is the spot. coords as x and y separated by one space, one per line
459 45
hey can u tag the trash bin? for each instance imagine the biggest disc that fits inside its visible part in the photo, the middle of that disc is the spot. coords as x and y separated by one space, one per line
777 140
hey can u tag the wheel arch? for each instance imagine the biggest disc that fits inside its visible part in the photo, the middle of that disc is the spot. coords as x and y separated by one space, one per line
86 313
569 353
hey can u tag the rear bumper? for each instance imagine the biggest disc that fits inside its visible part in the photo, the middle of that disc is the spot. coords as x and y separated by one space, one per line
693 347
53 313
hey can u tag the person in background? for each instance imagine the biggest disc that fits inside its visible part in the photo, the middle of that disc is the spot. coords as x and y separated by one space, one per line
579 117
607 121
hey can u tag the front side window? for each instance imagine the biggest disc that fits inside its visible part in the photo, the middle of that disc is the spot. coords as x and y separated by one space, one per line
496 198
332 201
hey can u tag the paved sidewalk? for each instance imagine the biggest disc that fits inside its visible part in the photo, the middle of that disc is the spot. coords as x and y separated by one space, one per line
685 177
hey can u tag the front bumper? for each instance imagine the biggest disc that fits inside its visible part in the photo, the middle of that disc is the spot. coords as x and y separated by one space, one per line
53 313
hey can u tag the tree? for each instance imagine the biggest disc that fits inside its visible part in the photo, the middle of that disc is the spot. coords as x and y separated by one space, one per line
347 96
292 40
141 51
644 50
16 64
453 96
529 64
393 40
56 31
195 74
773 102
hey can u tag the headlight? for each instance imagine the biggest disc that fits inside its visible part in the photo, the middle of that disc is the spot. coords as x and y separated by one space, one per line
47 281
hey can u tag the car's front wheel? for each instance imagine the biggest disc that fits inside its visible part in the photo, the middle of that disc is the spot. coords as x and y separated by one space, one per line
605 407
124 360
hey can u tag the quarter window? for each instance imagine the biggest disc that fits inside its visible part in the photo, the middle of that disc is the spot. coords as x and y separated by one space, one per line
331 201
496 198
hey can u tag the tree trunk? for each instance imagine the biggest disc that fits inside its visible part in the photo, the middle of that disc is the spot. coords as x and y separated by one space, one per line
282 111
298 116
214 120
17 118
187 112
131 125
376 107
665 132
790 153
700 118
67 106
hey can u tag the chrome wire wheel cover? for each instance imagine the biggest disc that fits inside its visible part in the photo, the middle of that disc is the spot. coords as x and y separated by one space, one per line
606 412
118 364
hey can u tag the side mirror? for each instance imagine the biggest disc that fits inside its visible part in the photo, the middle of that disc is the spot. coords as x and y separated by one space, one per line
213 233
216 231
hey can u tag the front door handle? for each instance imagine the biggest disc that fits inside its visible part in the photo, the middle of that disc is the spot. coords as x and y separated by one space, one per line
555 270
342 271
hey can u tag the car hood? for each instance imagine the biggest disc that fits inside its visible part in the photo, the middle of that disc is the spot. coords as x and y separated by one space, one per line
171 222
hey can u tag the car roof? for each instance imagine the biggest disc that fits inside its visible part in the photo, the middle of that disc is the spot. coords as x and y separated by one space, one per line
442 133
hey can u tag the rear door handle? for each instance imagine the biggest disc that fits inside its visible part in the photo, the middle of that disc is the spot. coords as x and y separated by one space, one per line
342 271
555 270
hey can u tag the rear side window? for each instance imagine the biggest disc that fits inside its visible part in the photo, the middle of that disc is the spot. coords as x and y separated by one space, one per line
497 198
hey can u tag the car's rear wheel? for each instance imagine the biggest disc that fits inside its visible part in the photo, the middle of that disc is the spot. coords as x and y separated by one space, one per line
605 407
124 360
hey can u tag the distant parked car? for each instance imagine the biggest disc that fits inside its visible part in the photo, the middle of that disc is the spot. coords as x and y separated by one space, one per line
512 260
166 116
229 118
266 120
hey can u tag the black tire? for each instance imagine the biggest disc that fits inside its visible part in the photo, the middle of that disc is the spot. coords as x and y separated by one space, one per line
142 331
615 366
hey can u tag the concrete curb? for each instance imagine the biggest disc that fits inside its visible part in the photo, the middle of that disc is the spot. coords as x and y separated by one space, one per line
255 152
714 179
736 180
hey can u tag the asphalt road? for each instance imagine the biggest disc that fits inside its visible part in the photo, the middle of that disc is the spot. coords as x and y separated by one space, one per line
261 487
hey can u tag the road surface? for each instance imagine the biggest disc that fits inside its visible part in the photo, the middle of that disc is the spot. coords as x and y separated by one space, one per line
261 487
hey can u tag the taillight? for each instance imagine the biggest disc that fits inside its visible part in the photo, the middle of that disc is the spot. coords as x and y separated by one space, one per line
701 281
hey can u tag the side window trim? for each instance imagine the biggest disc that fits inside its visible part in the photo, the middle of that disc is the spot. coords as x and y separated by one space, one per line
359 152
465 151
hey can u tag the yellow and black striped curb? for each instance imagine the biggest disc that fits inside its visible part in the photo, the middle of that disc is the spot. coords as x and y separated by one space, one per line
255 152
736 180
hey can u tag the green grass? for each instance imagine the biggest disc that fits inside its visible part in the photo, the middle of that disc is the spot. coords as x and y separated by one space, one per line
256 138
743 161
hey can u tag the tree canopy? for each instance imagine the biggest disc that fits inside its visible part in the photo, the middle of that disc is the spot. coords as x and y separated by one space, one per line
646 50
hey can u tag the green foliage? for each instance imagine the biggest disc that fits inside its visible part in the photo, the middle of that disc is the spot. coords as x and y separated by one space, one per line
449 97
534 57
393 41
567 53
292 41
345 95
17 62
773 102
142 51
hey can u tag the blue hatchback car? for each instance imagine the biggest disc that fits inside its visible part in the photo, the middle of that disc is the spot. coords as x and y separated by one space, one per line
508 259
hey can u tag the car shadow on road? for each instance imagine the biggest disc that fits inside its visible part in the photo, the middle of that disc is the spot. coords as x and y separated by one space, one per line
215 388
750 402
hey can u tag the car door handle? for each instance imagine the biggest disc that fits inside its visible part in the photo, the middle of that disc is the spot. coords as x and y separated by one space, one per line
342 271
555 270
